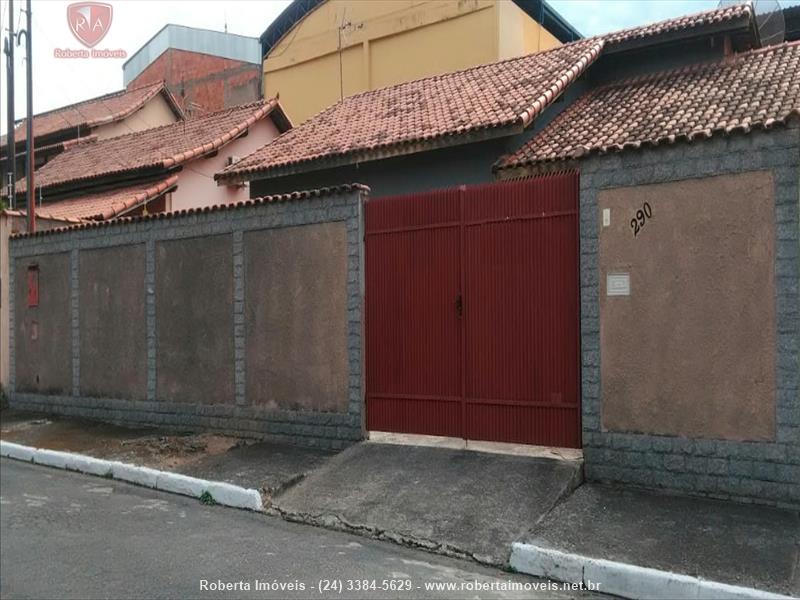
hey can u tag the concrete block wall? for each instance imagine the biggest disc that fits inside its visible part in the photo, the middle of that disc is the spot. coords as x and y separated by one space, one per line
236 415
766 472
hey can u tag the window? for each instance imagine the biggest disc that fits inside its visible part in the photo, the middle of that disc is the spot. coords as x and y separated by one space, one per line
33 286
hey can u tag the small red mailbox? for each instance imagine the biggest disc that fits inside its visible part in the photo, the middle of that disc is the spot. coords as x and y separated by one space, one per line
33 286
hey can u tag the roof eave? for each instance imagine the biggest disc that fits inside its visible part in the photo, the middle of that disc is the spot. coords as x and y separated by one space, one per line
8 212
354 158
73 131
533 166
166 164
173 103
280 118
169 185
362 190
76 187
742 24
263 112
529 169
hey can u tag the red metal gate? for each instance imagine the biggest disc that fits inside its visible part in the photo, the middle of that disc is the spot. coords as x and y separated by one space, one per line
472 312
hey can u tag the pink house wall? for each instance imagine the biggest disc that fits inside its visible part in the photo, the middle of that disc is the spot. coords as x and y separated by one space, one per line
196 185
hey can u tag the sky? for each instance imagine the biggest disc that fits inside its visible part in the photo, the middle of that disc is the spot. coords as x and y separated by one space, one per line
61 81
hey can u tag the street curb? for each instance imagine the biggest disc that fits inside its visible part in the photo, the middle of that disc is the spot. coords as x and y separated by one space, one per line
224 494
622 579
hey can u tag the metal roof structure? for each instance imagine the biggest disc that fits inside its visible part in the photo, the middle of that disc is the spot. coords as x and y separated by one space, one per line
191 39
539 10
791 17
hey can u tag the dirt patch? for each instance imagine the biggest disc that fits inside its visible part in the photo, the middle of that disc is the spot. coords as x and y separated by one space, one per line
172 451
263 465
139 446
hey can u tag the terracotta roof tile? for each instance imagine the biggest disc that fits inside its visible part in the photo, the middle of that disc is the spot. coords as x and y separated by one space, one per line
41 215
107 204
291 197
507 93
511 92
753 89
742 11
160 147
90 113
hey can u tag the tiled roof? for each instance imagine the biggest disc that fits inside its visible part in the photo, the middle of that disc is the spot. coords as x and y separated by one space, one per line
479 99
754 89
108 204
292 197
39 215
91 113
736 12
157 148
435 110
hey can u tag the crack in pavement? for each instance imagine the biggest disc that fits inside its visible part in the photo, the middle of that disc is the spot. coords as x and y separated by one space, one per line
337 523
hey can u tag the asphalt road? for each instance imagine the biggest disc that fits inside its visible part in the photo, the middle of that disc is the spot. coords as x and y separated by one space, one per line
66 535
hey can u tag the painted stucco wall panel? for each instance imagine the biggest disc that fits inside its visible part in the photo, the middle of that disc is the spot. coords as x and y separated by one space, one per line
518 34
9 225
538 40
296 298
154 113
190 381
420 52
317 34
291 83
691 351
194 337
763 471
113 333
196 185
385 42
42 334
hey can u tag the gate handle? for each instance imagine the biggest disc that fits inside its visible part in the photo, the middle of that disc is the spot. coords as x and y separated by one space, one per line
459 306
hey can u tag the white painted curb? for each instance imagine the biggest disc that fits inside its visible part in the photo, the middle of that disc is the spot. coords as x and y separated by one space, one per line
622 579
225 494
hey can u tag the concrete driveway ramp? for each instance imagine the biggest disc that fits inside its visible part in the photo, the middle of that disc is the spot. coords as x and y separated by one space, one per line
456 502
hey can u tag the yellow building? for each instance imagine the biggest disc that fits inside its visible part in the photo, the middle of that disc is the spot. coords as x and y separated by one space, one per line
318 51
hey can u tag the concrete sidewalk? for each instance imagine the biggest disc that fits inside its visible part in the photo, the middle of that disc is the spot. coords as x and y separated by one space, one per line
734 544
265 466
66 535
454 502
531 513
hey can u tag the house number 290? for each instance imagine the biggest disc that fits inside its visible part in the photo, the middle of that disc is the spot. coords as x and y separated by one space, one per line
642 215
